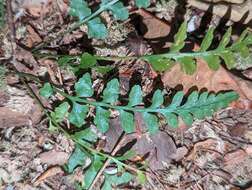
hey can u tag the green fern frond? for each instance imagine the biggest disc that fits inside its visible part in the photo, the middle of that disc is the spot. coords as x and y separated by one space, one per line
196 106
213 57
187 60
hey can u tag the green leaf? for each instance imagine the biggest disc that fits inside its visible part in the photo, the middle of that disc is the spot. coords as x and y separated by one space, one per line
171 119
229 59
177 99
102 119
192 99
135 96
92 171
83 87
127 121
46 91
111 92
213 61
160 63
79 8
77 158
157 99
64 60
225 40
96 29
119 11
114 180
78 114
206 43
186 117
87 61
188 65
61 112
103 69
141 177
128 155
179 40
142 3
151 122
86 135
52 128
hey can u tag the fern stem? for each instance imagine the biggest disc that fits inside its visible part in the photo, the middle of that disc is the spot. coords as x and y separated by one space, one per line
196 54
169 109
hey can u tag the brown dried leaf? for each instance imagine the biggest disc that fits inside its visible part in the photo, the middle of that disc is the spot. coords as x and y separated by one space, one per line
204 78
9 118
48 173
54 157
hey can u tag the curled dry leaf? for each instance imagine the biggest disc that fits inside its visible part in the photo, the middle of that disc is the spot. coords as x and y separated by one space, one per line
48 173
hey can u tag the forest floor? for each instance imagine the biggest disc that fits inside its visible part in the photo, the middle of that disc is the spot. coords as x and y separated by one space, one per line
212 154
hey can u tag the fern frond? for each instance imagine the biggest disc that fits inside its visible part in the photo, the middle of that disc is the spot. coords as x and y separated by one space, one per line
212 57
187 60
196 106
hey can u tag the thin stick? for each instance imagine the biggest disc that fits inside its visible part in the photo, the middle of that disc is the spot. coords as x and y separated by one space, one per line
106 163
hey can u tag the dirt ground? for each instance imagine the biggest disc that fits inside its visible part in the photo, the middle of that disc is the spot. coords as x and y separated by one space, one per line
212 154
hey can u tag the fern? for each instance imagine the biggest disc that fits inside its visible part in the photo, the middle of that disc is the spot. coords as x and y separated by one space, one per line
187 60
195 106
97 29
213 58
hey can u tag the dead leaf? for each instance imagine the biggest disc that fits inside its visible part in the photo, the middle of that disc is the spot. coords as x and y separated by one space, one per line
205 78
239 165
48 173
154 27
248 73
54 157
27 60
33 37
159 149
238 130
9 118
4 97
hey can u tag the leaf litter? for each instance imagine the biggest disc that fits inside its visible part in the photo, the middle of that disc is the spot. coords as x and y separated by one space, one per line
212 154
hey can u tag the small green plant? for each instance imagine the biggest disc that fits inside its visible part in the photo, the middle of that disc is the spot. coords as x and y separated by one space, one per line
76 107
187 60
196 106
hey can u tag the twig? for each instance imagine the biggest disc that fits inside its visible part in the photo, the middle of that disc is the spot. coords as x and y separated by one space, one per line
11 27
116 148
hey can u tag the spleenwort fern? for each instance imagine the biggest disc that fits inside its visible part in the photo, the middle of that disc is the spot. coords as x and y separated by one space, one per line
162 62
84 150
196 106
